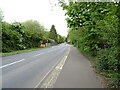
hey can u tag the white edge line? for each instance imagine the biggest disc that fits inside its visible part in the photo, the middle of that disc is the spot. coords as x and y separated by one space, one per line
46 75
12 63
50 71
22 60
17 61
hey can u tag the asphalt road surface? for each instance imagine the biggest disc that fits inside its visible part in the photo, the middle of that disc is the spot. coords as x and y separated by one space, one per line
26 70
60 66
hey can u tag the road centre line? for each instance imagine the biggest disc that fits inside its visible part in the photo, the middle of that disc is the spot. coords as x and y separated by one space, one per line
12 63
23 60
39 54
44 53
18 61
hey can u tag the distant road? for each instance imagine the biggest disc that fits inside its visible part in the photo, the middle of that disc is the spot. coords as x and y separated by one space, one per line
26 70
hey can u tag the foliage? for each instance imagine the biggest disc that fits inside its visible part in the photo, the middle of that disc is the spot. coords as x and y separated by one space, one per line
1 18
53 33
11 37
33 33
29 34
15 36
61 39
94 28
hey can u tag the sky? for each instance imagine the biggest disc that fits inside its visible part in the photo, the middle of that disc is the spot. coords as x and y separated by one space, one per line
40 10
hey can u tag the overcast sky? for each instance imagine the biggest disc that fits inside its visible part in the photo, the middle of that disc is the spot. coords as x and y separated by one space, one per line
40 10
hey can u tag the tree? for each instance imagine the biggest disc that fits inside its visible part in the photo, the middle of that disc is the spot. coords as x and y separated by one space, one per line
53 33
33 33
17 36
1 18
95 28
11 37
33 26
61 39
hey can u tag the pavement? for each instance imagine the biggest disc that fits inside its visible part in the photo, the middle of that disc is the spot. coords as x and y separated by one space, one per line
77 73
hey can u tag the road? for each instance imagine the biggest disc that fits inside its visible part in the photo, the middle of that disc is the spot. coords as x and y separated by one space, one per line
27 70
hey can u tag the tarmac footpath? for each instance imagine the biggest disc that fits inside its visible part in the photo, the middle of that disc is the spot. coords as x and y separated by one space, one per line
77 73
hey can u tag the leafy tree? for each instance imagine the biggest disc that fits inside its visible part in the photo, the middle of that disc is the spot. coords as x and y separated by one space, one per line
17 36
11 38
53 33
1 18
61 39
33 33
